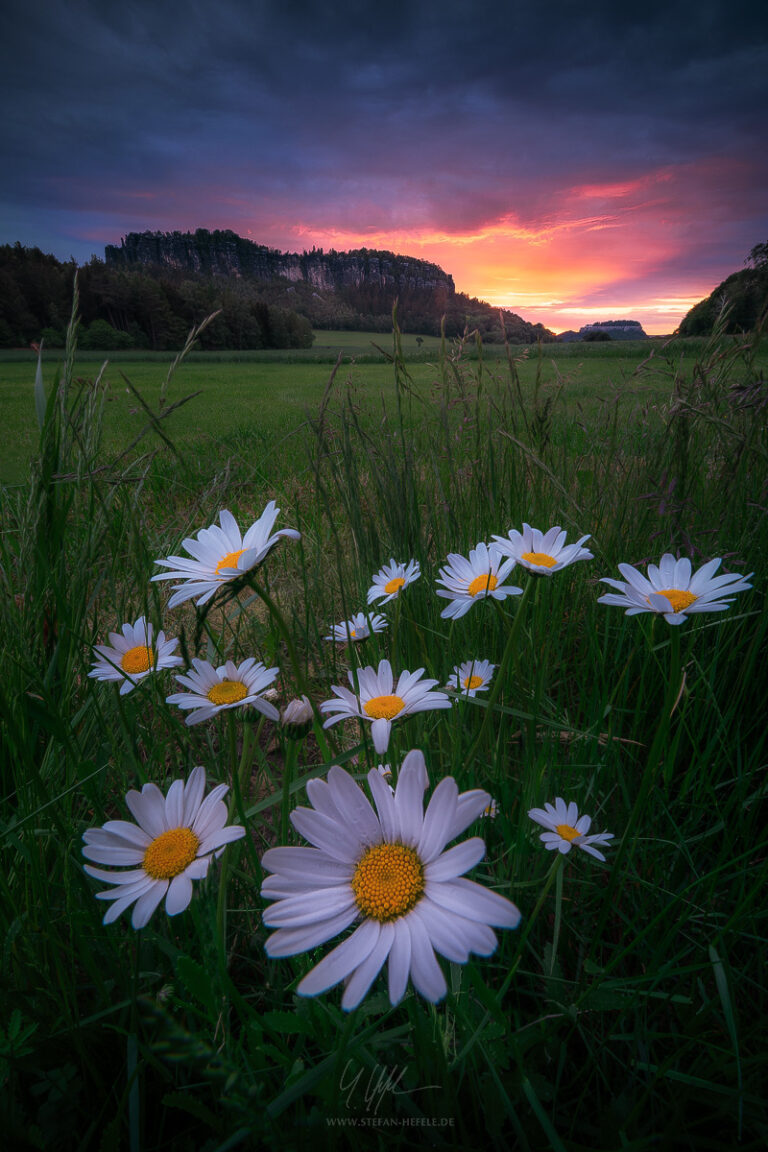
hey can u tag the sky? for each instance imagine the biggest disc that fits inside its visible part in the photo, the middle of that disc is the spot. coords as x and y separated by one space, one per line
571 162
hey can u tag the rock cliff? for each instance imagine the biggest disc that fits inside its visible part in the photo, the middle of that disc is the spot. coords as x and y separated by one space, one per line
224 253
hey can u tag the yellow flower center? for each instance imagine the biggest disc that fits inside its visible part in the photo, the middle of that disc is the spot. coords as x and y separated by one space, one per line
229 561
388 881
485 583
394 585
540 558
473 682
567 832
383 707
678 598
170 853
139 659
353 633
227 692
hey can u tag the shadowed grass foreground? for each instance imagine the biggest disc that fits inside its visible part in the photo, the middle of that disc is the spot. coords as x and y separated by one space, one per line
628 1009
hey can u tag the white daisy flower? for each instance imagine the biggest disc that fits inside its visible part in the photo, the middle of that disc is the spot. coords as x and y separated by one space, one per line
169 846
566 828
378 699
467 581
133 655
213 690
539 552
672 590
471 677
220 554
390 580
387 869
358 628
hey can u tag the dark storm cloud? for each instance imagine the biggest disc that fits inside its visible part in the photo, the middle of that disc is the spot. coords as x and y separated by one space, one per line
152 114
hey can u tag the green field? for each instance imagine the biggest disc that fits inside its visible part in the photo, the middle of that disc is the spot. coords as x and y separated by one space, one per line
267 396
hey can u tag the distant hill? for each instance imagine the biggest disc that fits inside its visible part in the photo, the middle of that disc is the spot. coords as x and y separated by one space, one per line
744 293
349 290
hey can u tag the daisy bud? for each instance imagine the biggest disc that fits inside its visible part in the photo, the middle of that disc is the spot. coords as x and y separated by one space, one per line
297 718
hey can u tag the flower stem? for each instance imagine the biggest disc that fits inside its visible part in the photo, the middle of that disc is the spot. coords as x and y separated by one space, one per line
301 680
510 656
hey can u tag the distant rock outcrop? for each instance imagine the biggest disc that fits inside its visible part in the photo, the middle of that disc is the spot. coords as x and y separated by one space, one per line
224 253
616 329
606 329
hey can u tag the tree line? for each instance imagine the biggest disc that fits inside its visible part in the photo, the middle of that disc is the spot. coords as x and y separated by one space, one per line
150 308
154 306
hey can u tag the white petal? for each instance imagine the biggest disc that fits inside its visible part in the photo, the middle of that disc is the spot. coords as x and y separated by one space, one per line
148 809
109 855
320 798
208 813
103 874
218 839
118 908
308 908
354 807
426 973
456 861
443 929
399 962
290 941
469 806
198 869
342 960
385 805
179 894
193 795
174 804
208 823
308 864
438 820
365 973
409 798
147 904
380 731
127 834
475 902
336 840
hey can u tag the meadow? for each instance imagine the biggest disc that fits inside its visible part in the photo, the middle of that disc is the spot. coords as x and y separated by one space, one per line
262 396
626 1009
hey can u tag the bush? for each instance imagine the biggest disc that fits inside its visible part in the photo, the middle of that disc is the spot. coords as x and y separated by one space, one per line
53 337
102 337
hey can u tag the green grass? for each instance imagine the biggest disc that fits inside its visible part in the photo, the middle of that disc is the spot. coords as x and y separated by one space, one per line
628 1009
266 396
